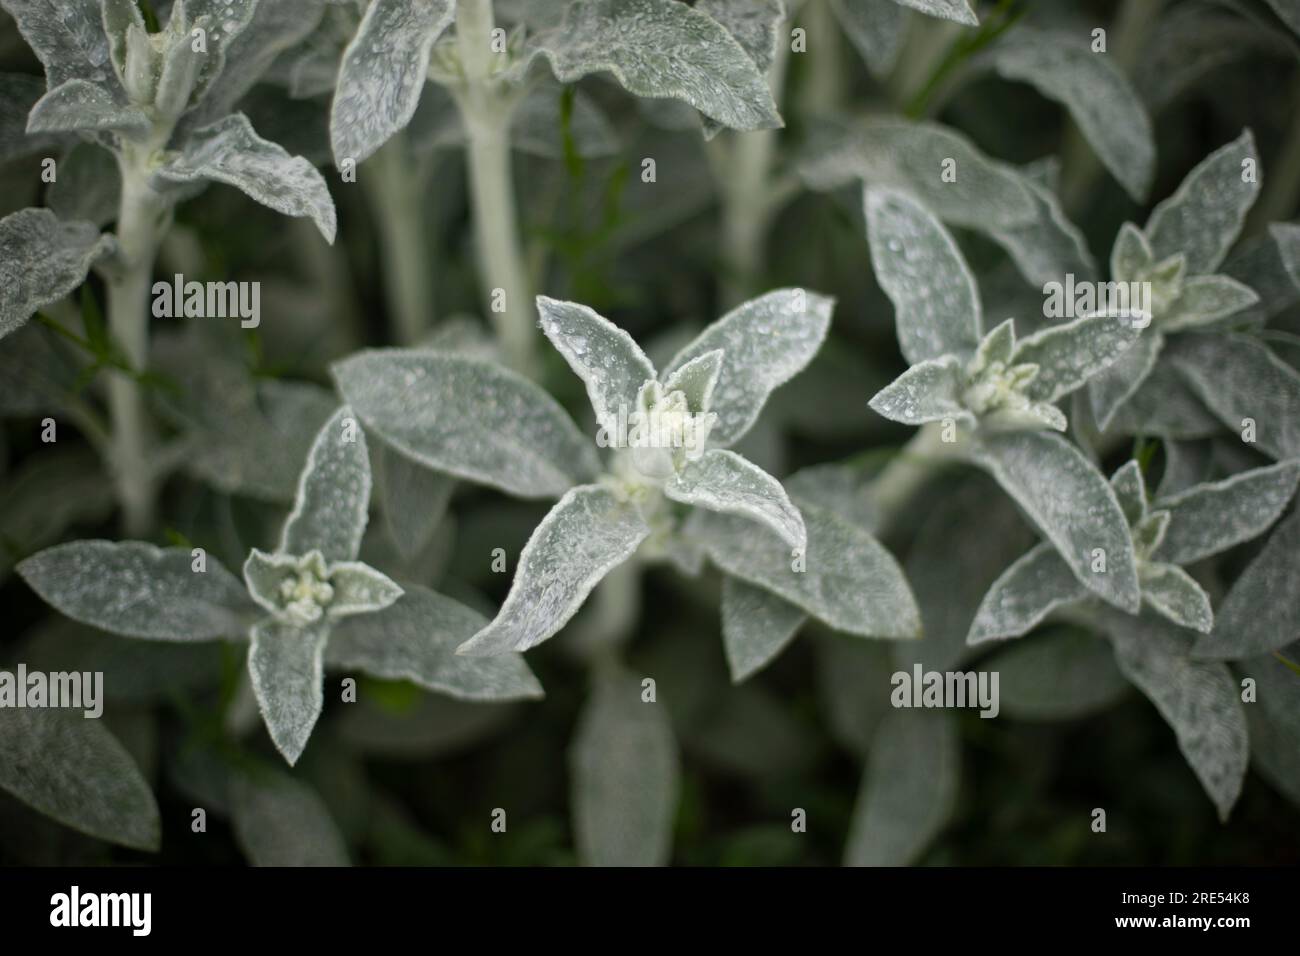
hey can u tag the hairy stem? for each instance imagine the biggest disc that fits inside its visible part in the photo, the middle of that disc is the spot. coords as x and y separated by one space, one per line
486 111
743 165
142 220
396 195
910 469
827 73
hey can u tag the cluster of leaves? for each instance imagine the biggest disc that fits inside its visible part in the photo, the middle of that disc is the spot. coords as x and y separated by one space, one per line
997 521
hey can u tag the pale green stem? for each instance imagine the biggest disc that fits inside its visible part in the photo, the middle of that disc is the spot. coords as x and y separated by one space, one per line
824 91
486 112
1127 38
396 193
910 469
743 165
142 221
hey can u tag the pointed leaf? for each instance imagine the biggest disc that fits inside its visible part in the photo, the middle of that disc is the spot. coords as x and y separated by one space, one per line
230 151
588 533
416 640
1098 96
1048 246
608 361
1130 489
1207 299
1132 255
1068 355
1210 518
765 343
959 11
1173 592
468 418
917 263
658 48
139 590
1072 505
1204 217
1262 610
332 506
360 589
414 498
81 106
909 789
1110 388
756 627
285 664
280 821
929 391
723 481
384 70
42 260
73 770
1198 699
697 380
1026 593
1062 674
850 581
67 36
625 777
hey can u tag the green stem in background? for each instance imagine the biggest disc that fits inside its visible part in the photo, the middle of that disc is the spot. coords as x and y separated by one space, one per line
1281 193
743 167
397 193
486 112
1128 36
825 87
142 219
928 98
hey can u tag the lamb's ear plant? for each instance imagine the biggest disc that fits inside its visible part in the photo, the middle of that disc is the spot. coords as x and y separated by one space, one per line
652 48
162 104
1176 257
988 398
307 604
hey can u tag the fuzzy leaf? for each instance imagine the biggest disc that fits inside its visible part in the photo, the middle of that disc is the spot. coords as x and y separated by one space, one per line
1130 489
1098 96
285 664
625 777
332 506
697 380
756 627
875 28
659 48
416 640
1068 355
414 498
81 106
851 582
139 590
468 418
1048 246
929 391
360 589
1239 378
755 25
1110 388
1203 218
1062 674
67 36
384 71
1026 593
229 151
73 770
18 94
1200 701
765 342
917 263
1210 518
42 260
988 195
1131 255
1262 610
909 789
89 186
1173 592
280 821
1206 299
1071 504
959 11
723 481
608 361
587 534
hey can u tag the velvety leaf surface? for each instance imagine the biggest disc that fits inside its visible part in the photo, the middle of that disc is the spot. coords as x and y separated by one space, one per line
42 260
723 481
756 626
332 506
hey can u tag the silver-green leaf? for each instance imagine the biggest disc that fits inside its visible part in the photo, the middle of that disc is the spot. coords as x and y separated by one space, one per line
1026 593
756 626
42 260
286 667
1210 518
721 480
332 506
